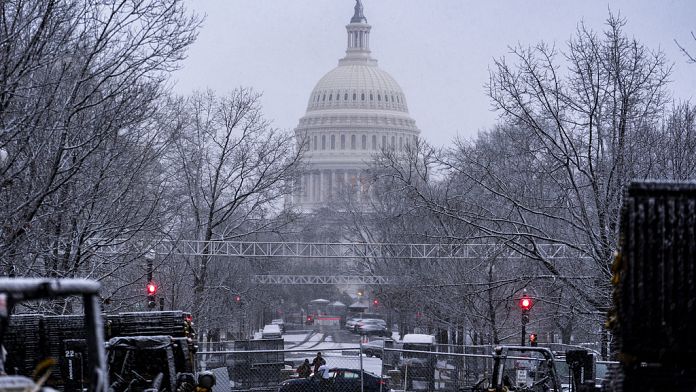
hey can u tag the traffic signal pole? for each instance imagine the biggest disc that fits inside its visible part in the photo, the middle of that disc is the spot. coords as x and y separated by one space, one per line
525 305
525 318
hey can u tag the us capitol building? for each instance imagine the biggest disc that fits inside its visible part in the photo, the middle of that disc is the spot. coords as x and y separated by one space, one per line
354 111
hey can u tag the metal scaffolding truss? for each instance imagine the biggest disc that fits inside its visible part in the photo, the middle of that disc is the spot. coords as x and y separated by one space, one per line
333 280
326 250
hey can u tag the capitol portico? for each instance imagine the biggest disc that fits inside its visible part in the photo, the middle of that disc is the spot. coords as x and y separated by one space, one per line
354 111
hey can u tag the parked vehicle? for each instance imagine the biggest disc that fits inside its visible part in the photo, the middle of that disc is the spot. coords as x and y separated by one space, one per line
271 331
280 323
350 323
417 365
24 346
365 321
375 348
372 327
340 380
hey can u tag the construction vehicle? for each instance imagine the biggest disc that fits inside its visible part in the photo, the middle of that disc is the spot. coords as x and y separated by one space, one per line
522 369
14 292
155 348
654 298
146 350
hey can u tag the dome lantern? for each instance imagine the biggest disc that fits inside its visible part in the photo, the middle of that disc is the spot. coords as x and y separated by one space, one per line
358 50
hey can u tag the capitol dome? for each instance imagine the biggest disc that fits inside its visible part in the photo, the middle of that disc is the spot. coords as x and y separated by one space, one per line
353 112
364 86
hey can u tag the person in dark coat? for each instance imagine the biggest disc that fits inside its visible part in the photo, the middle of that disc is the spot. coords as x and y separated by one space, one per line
304 370
318 361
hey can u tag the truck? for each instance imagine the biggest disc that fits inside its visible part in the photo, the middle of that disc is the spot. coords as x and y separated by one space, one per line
417 364
144 350
34 358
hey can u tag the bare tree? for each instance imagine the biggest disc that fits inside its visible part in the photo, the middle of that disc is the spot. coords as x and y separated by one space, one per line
234 171
572 144
575 128
80 83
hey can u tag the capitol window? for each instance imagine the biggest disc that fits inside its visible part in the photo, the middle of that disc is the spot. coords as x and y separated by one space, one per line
379 97
362 96
323 142
330 96
371 99
392 98
345 98
315 143
323 98
384 141
374 142
352 142
333 142
343 142
355 96
364 142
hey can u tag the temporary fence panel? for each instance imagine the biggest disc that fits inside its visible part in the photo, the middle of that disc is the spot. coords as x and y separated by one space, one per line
388 369
436 371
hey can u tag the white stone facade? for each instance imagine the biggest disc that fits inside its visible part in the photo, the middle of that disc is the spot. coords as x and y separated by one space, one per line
354 111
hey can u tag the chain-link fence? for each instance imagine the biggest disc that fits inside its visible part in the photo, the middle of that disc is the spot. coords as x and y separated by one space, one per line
266 365
295 369
383 366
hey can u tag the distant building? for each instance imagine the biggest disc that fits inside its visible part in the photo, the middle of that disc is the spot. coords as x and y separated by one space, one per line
354 111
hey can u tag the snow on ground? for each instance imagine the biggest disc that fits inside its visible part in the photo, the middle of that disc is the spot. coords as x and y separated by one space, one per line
295 338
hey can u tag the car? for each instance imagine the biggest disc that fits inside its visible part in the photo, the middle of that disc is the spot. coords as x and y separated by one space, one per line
372 327
350 323
280 323
374 348
271 331
365 321
341 380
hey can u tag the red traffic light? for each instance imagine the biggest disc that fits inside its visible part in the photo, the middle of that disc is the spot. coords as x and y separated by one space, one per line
151 288
375 302
237 298
525 302
532 339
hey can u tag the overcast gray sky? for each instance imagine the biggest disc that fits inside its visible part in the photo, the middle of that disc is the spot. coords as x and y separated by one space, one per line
439 51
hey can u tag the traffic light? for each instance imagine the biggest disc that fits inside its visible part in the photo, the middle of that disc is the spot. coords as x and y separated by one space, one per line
375 302
525 303
533 339
151 294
